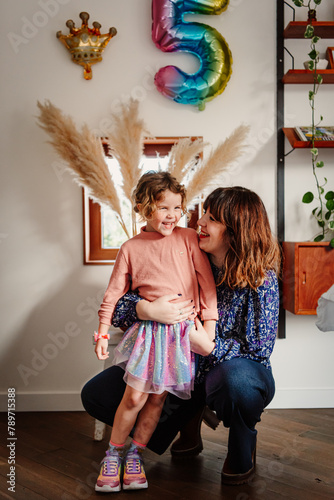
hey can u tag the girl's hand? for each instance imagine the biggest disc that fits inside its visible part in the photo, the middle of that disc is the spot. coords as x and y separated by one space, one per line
164 310
199 340
101 349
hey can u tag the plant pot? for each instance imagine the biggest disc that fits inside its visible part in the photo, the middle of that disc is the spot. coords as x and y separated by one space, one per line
308 272
312 16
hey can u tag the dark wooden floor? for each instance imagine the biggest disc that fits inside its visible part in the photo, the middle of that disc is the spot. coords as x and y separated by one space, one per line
57 459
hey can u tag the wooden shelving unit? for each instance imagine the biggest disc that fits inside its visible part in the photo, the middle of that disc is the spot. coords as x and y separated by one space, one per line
301 288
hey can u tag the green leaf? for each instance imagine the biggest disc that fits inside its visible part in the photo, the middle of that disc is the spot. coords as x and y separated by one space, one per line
331 224
332 242
329 195
311 66
320 164
298 3
315 39
327 215
330 205
309 31
317 2
314 151
314 210
321 190
313 54
308 197
319 79
319 238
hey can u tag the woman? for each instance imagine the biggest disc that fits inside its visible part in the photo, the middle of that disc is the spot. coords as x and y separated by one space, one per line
234 374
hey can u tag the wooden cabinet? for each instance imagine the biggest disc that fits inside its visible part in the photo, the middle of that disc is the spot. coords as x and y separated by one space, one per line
308 272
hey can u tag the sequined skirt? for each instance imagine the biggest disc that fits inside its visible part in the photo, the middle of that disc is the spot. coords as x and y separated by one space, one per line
157 358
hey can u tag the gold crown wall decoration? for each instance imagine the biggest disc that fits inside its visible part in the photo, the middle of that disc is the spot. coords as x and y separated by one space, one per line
85 44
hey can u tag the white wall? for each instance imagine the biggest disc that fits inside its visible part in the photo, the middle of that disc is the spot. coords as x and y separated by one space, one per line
47 293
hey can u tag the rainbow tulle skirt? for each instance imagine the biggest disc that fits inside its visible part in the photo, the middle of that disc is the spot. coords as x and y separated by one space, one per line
157 358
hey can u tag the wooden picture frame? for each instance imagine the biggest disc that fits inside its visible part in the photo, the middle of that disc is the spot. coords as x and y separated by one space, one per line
330 56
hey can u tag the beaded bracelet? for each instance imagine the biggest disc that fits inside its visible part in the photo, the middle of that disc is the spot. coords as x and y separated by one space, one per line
98 336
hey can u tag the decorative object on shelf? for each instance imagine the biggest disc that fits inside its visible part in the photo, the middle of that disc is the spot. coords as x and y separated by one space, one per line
330 55
312 12
321 133
171 33
85 44
321 64
311 15
83 152
324 212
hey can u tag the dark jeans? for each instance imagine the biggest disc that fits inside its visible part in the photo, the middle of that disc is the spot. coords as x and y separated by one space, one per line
238 390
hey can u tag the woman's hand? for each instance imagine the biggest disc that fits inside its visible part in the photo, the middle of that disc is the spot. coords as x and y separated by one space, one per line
166 310
199 340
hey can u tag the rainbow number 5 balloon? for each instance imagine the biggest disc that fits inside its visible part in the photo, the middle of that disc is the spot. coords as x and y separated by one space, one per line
171 33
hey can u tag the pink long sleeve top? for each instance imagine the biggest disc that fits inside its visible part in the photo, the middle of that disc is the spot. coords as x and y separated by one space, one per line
157 265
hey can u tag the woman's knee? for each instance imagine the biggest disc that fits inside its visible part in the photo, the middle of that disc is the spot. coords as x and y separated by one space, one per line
237 384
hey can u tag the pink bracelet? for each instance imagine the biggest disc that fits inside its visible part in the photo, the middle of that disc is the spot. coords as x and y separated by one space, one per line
98 336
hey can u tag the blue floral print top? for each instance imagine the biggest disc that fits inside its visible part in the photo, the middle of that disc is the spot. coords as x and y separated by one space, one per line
246 326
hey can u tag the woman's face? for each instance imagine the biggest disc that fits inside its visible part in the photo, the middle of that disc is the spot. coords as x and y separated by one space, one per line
212 237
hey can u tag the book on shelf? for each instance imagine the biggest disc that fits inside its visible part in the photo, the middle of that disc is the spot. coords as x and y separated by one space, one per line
321 133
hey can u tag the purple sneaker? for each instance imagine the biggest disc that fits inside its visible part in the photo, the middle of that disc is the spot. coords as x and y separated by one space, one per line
134 477
109 479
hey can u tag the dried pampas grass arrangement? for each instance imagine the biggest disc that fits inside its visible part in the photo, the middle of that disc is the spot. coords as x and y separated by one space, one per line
84 155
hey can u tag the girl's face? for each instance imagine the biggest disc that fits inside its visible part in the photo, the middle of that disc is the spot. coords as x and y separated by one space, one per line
212 237
167 214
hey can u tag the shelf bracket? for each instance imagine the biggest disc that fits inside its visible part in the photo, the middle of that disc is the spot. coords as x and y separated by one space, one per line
293 10
292 58
291 150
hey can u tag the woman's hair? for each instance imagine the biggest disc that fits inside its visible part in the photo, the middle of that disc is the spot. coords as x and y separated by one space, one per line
252 249
150 189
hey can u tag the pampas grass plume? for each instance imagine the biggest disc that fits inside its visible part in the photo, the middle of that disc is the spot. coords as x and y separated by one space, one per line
84 155
219 160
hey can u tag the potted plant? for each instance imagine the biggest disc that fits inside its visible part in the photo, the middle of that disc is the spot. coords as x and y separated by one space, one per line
324 211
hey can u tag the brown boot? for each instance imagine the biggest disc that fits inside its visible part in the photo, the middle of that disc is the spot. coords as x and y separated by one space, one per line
231 477
190 444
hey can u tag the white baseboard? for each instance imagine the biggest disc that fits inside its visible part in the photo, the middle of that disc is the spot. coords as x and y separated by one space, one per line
284 399
38 401
315 397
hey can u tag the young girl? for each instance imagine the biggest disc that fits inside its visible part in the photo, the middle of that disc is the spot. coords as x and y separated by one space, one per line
162 259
